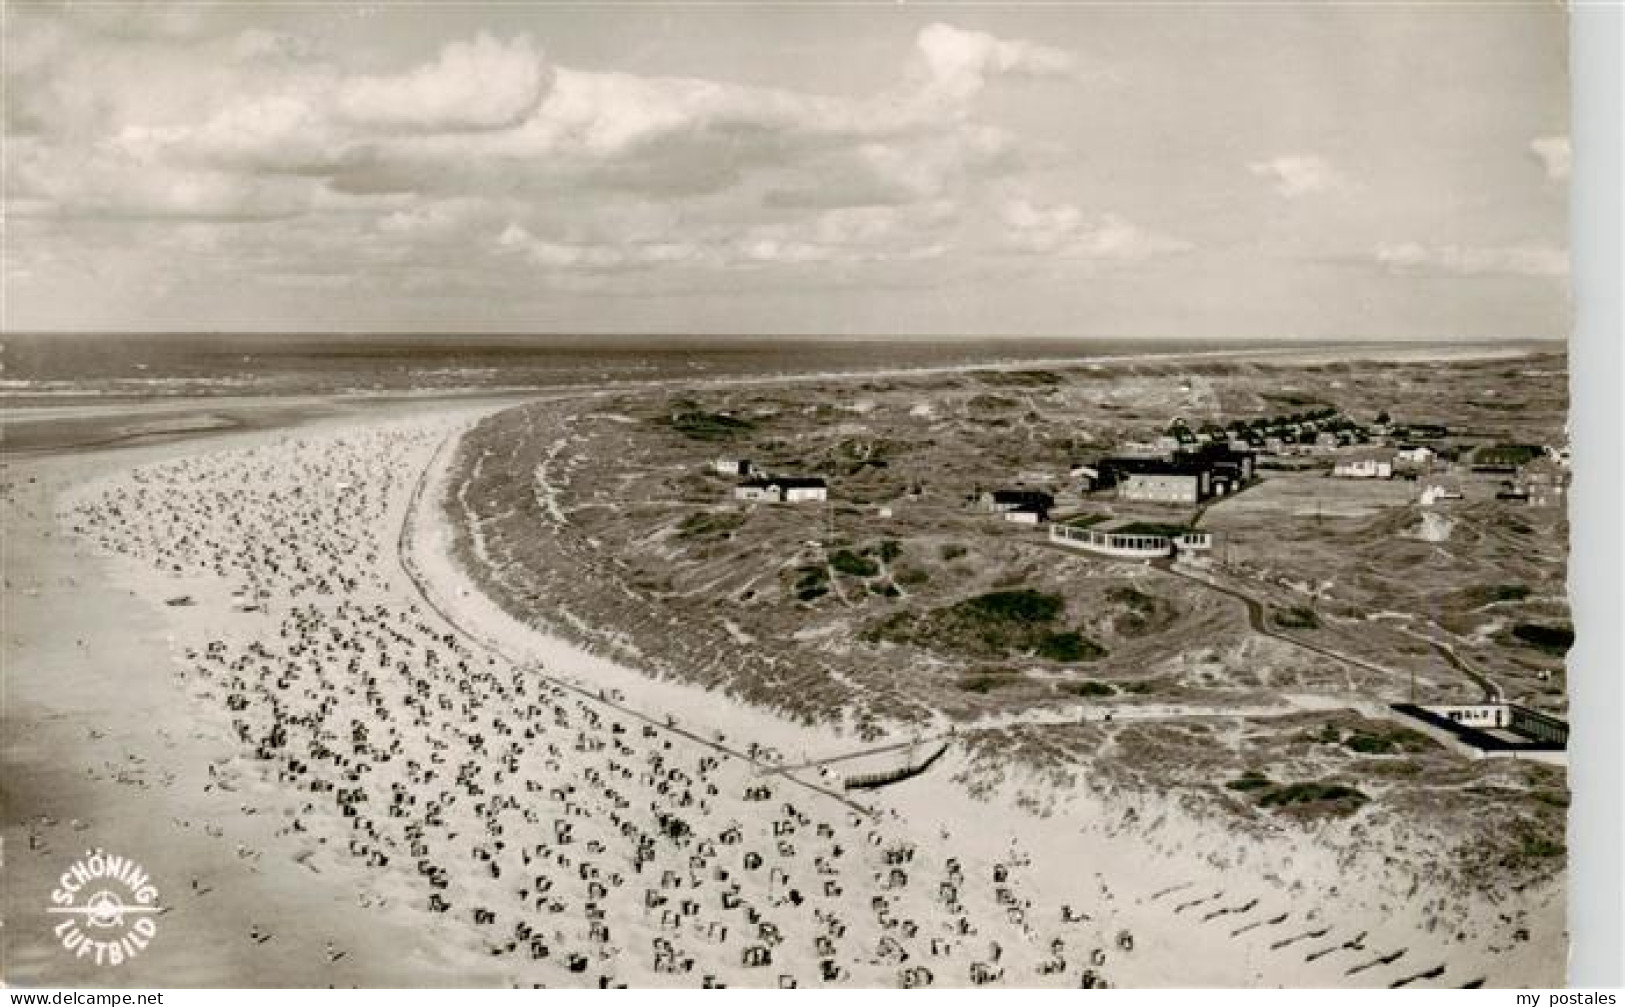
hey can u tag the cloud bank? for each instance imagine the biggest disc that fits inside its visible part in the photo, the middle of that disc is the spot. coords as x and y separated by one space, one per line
1296 175
1456 260
193 164
257 128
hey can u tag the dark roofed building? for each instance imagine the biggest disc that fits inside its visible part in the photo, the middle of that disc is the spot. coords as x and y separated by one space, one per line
1186 477
783 489
1505 457
1017 499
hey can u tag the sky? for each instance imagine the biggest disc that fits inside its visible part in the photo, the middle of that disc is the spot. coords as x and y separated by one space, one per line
1210 171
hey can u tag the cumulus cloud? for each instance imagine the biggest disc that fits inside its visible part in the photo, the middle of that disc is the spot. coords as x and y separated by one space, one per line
1554 154
553 254
279 132
1064 231
482 84
1295 175
487 159
959 62
488 116
1461 260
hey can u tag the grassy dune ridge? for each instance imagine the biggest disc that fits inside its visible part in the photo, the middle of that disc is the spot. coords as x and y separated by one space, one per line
605 522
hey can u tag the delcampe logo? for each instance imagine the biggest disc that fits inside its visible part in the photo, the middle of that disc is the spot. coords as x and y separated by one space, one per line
109 908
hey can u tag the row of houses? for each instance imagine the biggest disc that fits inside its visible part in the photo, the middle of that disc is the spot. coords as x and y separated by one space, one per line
1314 431
1385 462
1535 474
1183 478
759 486
1325 427
1542 481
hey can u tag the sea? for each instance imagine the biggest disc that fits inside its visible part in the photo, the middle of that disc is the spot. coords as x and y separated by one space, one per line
53 367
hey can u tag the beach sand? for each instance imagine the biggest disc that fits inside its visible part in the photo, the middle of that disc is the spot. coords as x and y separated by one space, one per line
334 778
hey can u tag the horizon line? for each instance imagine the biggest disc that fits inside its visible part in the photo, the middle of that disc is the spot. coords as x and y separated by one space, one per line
792 336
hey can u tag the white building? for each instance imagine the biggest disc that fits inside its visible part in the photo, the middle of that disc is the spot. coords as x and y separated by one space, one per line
1161 487
783 489
1545 480
1125 540
1008 501
1415 454
1371 465
1437 492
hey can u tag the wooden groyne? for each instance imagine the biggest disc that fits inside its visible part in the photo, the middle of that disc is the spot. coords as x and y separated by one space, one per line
872 781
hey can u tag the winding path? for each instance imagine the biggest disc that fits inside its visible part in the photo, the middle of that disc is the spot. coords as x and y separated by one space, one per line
1260 625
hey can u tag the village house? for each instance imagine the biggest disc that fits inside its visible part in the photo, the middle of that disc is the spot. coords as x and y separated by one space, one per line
1365 465
1544 481
1141 449
1088 478
1415 455
1017 505
1493 729
1436 492
1231 469
734 467
1177 436
783 489
1422 431
1026 515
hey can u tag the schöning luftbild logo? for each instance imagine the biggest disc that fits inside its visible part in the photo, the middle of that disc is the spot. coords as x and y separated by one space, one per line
109 908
